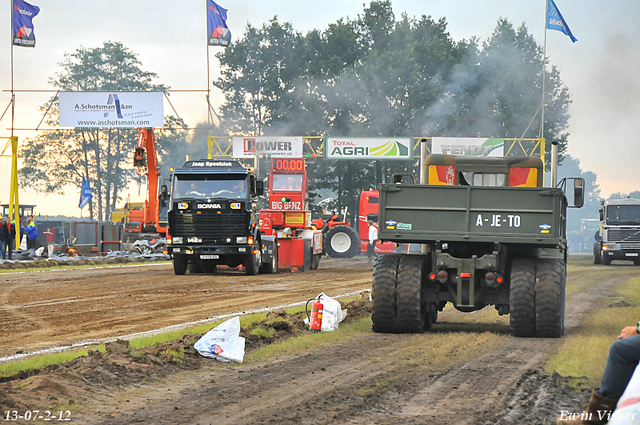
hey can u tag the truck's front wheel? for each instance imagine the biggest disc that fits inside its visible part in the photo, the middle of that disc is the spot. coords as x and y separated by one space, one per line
606 260
550 297
179 264
254 260
522 297
596 253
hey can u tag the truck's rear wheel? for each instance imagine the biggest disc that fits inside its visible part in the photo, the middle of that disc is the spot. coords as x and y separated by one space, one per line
396 294
550 297
606 260
342 242
254 260
179 264
522 297
596 253
412 314
315 260
383 293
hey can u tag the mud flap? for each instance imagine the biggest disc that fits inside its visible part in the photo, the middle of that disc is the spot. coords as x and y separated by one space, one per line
308 258
267 248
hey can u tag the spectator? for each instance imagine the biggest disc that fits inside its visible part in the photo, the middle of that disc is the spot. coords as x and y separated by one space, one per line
32 233
4 238
291 184
373 240
623 359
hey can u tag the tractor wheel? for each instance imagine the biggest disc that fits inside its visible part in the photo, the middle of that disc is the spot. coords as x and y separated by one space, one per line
342 242
550 294
272 266
179 264
522 297
606 260
396 294
596 253
253 260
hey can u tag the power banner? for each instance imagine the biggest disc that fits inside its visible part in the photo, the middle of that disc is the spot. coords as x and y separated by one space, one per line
111 109
386 148
277 147
467 146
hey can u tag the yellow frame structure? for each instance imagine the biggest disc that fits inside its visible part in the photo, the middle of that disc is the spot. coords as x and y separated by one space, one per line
14 205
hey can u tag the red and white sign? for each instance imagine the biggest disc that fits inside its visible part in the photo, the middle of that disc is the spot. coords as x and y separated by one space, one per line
276 147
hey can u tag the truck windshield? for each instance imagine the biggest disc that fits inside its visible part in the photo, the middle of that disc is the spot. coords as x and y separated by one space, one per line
623 214
203 187
287 182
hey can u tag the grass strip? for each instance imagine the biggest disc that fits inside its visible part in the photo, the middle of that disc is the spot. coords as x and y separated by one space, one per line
583 352
80 266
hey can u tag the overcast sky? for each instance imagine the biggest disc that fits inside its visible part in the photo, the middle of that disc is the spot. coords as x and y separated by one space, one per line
600 69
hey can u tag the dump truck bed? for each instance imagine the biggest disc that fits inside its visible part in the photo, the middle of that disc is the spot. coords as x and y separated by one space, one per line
412 213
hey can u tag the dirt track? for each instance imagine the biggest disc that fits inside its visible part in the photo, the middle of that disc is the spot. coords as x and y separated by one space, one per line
487 378
46 309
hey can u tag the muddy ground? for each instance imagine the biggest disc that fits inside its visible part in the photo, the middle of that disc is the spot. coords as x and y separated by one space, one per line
369 378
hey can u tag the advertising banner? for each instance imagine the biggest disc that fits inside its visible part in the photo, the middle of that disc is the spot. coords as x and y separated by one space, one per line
111 109
468 146
386 148
277 147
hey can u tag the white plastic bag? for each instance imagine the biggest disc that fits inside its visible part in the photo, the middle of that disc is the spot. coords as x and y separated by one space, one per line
23 243
332 313
223 342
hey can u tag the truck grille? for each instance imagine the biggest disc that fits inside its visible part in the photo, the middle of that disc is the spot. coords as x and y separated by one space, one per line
211 226
623 235
624 245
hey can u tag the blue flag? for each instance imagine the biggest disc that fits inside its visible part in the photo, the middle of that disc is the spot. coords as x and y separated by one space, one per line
555 21
85 195
218 33
23 13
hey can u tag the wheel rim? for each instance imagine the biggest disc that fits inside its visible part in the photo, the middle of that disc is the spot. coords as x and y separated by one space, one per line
340 242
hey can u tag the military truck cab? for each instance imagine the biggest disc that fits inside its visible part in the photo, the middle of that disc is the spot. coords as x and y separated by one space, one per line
491 234
213 218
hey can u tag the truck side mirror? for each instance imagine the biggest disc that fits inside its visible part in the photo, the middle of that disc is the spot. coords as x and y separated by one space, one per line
578 192
601 215
259 187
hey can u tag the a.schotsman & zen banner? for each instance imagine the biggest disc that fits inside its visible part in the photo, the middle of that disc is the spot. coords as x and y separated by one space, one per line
386 148
111 109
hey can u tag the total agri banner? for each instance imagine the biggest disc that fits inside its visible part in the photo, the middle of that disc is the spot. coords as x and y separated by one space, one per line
386 148
111 109
277 147
467 146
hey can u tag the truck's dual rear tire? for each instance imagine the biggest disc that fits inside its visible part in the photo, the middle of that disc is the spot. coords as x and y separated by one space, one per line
522 297
537 297
396 295
550 298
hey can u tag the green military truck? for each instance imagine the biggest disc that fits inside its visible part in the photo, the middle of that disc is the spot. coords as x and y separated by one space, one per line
489 234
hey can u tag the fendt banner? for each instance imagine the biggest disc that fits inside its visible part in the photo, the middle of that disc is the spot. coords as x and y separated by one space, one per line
111 109
467 146
386 148
276 147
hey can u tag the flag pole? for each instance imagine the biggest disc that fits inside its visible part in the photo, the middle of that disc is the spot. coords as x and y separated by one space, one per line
206 14
13 99
544 67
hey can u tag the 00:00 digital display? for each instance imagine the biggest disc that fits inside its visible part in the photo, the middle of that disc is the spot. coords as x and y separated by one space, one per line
289 164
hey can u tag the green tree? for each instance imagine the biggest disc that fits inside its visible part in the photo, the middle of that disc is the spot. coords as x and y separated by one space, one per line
56 161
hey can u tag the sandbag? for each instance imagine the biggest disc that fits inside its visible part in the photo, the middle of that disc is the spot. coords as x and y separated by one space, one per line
332 313
223 342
